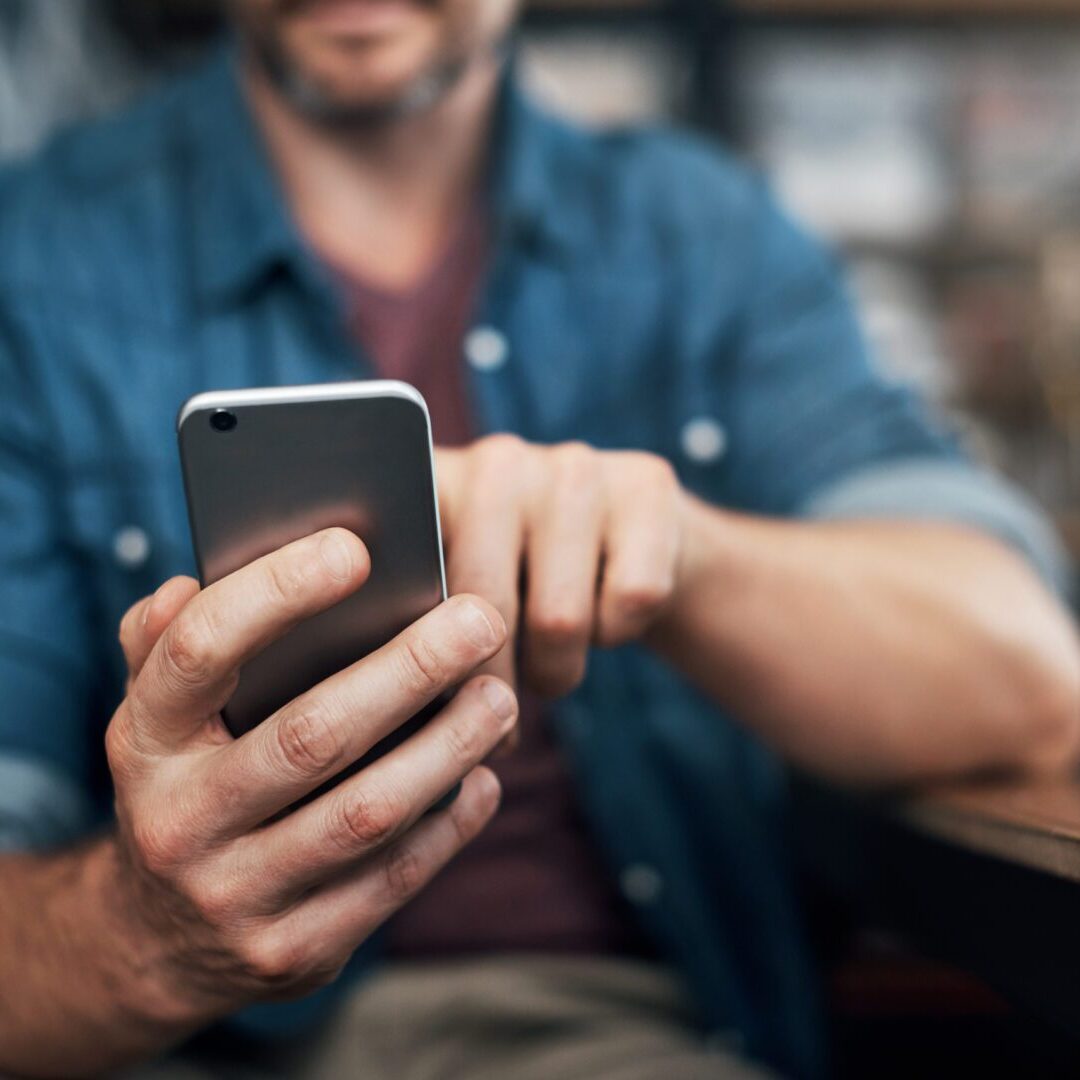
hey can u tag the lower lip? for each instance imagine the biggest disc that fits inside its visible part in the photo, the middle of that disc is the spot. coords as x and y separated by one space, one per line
358 17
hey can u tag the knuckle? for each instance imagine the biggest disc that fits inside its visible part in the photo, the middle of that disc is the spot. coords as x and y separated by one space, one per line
500 457
118 741
214 897
639 462
285 580
662 469
161 847
366 823
274 959
576 458
307 741
469 738
125 633
404 874
423 669
502 443
188 650
559 625
641 597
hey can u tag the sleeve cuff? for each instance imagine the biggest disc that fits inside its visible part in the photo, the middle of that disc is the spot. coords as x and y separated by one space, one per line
934 490
40 807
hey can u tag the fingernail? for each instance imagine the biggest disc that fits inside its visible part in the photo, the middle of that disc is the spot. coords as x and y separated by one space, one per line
477 625
149 606
337 554
499 697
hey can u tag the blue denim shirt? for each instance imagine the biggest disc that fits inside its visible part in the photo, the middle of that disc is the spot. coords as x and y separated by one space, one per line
646 292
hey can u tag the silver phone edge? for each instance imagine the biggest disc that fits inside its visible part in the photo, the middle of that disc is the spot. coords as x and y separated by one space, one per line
313 392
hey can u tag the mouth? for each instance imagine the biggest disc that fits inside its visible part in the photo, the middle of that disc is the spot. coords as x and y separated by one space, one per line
353 18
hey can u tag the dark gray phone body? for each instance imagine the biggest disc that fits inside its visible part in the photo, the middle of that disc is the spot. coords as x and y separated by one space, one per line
264 467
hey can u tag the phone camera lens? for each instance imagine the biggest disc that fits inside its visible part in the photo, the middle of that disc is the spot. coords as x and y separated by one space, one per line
222 420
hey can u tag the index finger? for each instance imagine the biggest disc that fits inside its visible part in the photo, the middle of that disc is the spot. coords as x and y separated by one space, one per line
192 670
145 621
483 556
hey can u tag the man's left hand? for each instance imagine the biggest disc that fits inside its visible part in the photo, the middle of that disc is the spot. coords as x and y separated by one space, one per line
573 545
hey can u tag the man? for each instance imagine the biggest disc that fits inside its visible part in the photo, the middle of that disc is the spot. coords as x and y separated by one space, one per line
696 464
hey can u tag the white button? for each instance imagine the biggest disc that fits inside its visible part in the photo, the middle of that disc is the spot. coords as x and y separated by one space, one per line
641 883
131 547
486 349
704 440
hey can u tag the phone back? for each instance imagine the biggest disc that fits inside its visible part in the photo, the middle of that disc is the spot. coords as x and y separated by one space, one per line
264 467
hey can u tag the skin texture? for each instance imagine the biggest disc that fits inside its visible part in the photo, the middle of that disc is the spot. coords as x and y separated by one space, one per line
869 652
206 897
376 182
573 546
879 652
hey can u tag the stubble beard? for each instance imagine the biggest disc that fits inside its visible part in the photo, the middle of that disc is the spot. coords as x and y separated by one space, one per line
313 102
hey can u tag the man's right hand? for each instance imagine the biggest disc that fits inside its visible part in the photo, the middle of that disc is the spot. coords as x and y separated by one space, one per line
225 899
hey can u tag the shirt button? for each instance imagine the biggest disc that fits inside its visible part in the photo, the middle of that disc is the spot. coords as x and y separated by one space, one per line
131 547
641 884
704 441
486 349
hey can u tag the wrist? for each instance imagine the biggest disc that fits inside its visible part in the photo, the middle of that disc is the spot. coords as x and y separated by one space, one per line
706 560
141 978
710 550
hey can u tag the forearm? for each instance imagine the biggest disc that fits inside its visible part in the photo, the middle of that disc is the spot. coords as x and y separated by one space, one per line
876 652
77 993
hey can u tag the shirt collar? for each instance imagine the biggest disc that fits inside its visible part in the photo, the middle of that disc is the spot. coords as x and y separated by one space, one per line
536 173
243 230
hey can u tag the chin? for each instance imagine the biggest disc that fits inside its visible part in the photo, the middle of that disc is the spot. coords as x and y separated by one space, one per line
362 74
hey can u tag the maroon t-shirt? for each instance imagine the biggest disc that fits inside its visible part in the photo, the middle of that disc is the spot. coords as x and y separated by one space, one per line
533 880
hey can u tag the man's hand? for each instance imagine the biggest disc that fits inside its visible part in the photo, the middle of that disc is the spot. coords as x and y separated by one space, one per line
227 899
802 629
574 546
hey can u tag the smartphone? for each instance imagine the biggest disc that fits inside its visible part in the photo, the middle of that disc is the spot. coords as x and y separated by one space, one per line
264 467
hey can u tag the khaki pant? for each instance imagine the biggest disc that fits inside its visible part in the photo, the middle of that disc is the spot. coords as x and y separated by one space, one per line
508 1018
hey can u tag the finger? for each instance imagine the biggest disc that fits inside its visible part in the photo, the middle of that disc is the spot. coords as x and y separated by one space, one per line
380 803
641 548
191 672
562 567
146 620
338 917
485 533
319 734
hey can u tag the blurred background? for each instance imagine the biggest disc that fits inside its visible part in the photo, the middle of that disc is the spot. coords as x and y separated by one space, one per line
935 142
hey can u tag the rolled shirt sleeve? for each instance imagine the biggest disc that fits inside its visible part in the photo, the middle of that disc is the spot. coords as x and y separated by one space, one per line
809 407
48 677
934 490
41 807
820 432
